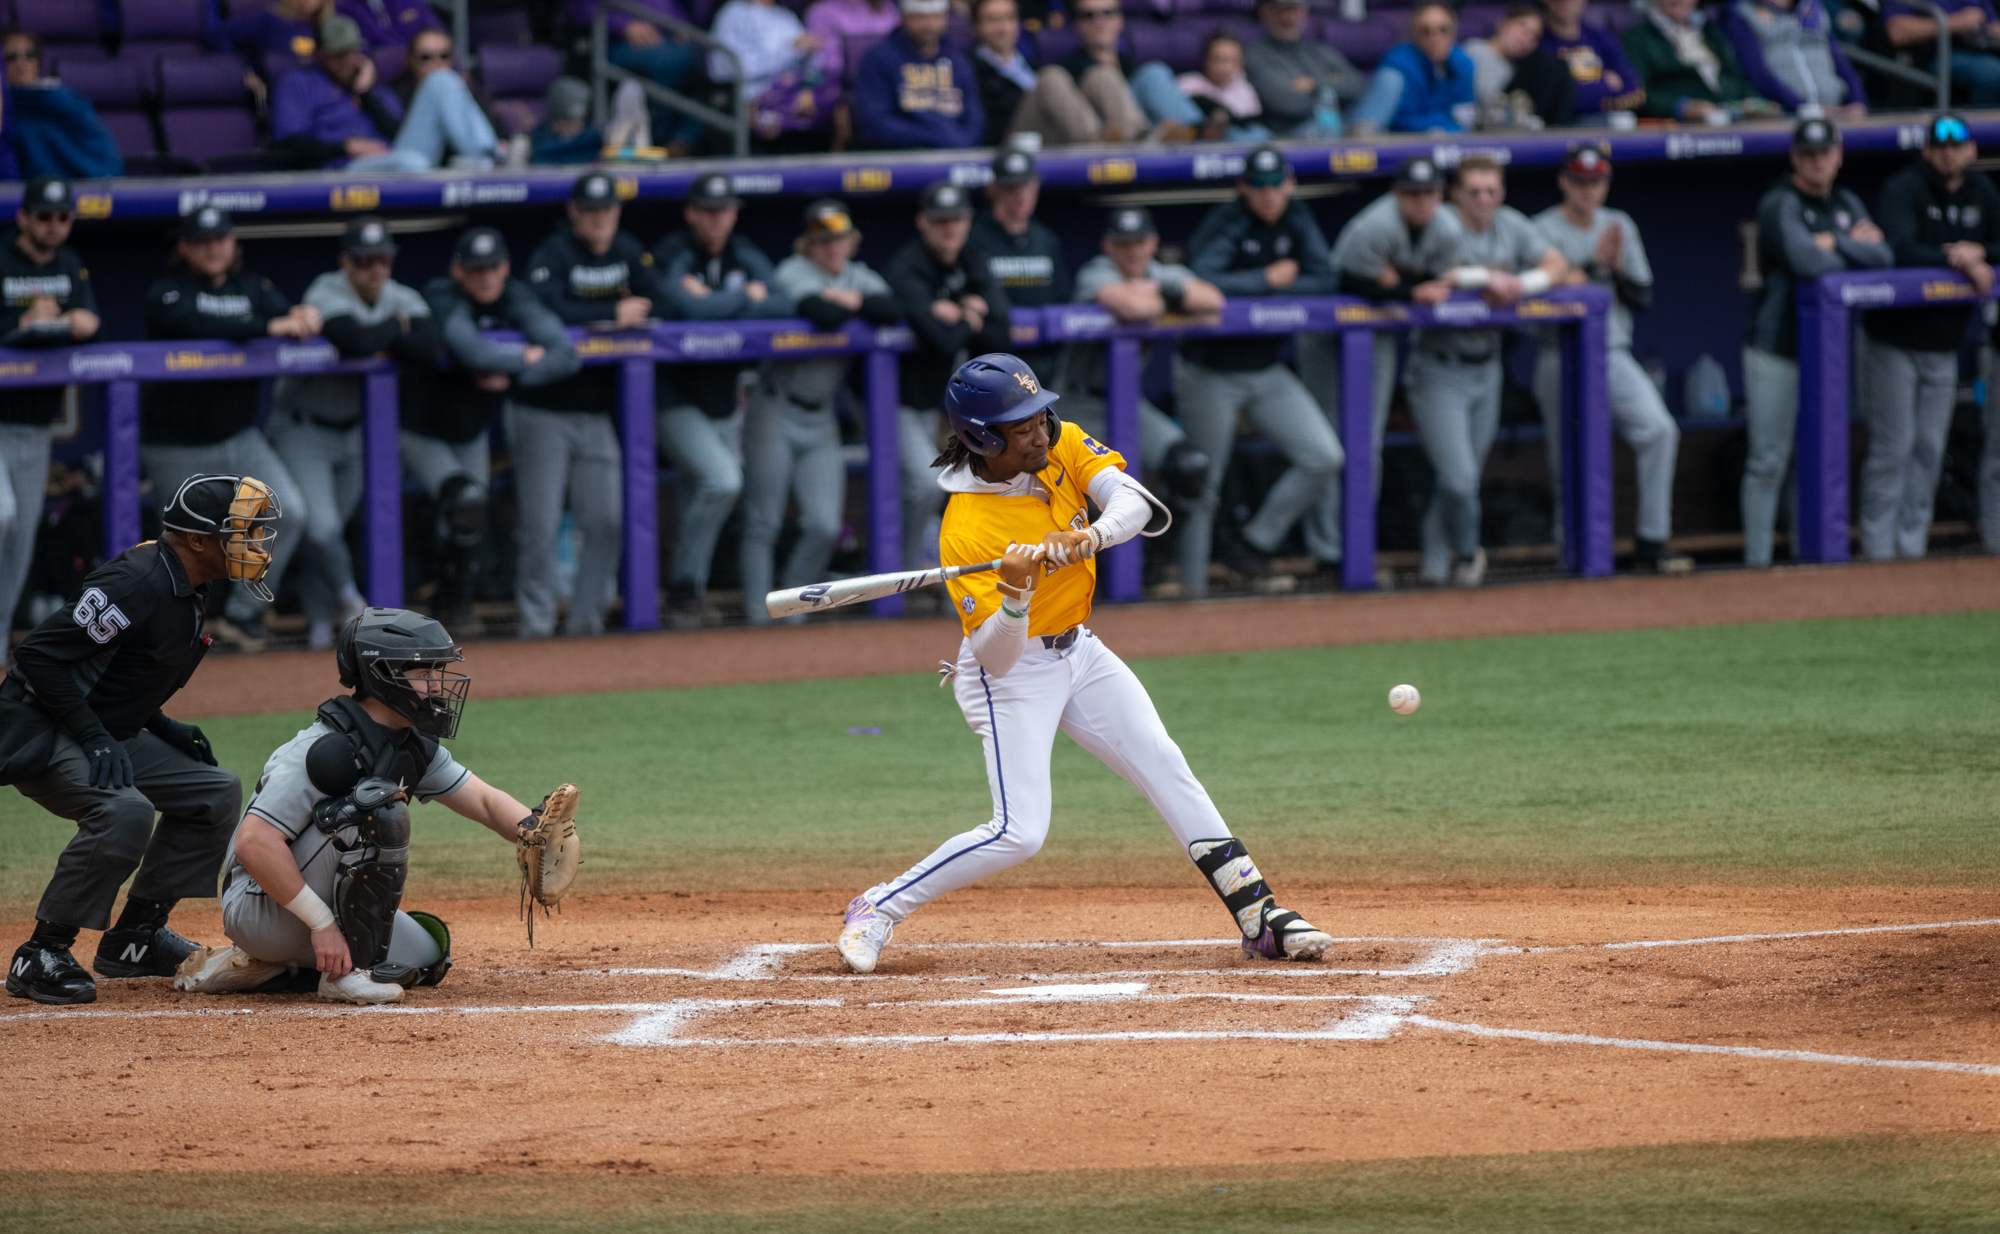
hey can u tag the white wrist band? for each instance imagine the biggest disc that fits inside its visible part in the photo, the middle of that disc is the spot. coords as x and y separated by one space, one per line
309 908
1471 277
1535 282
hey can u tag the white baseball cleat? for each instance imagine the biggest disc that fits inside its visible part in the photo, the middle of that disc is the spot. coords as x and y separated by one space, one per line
358 986
223 970
1286 936
864 932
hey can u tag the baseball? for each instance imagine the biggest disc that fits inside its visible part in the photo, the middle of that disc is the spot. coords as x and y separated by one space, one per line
1403 700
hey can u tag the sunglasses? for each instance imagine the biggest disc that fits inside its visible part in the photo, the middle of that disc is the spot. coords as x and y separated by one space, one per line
1095 14
425 57
1950 129
52 216
23 57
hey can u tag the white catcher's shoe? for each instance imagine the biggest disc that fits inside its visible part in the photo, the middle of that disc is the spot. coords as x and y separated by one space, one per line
223 970
863 934
358 986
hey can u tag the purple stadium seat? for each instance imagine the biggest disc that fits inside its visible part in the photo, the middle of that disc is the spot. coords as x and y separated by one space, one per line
1053 45
1363 42
204 133
1246 29
243 8
389 61
517 78
202 81
117 90
507 28
852 48
1479 21
1178 45
1612 17
165 21
59 22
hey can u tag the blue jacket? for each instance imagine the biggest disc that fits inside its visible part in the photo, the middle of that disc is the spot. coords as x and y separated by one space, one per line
55 132
903 101
1428 95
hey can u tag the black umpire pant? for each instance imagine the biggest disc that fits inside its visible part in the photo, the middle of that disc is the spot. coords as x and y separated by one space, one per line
179 859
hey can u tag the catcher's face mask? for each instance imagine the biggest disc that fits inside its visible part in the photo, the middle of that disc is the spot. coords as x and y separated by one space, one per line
247 533
427 693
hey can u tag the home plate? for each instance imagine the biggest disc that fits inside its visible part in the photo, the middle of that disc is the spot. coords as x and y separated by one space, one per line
1070 993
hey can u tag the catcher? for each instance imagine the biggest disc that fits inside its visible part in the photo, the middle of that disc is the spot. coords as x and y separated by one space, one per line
315 875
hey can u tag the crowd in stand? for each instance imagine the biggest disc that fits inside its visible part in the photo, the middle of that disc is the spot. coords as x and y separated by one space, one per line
768 435
378 84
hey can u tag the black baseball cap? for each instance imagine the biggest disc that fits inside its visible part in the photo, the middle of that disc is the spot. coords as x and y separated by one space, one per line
1266 167
1419 176
828 218
47 193
593 190
1130 223
367 236
1014 167
478 248
1588 162
944 200
207 223
714 191
1815 135
1947 130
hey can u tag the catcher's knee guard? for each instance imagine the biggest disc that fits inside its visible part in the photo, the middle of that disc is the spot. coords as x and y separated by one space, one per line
367 891
461 513
1229 869
1186 470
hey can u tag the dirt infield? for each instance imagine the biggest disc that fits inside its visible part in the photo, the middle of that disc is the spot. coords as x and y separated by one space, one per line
1045 1030
297 680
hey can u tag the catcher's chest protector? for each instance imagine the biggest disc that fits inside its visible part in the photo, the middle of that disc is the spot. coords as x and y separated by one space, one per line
398 755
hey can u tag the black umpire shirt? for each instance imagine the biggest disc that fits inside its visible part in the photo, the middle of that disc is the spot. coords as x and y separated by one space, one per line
63 279
1919 216
1230 249
129 639
1031 267
918 278
581 287
184 306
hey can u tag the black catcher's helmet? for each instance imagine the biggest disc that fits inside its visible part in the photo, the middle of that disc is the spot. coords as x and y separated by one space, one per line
378 650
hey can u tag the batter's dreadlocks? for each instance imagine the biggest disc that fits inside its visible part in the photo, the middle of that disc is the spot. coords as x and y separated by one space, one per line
954 454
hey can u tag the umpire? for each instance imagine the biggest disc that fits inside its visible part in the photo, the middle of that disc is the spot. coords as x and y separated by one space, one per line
1935 212
83 736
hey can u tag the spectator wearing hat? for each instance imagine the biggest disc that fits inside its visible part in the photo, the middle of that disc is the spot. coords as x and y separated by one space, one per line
1601 77
1264 243
1602 246
1975 52
956 308
1128 279
316 421
1399 249
1002 69
444 439
1098 93
1299 81
1422 85
1806 226
1512 63
336 113
389 23
791 434
45 301
834 20
1935 212
1223 91
1024 256
653 49
1791 56
911 92
192 428
53 129
709 273
1687 65
566 134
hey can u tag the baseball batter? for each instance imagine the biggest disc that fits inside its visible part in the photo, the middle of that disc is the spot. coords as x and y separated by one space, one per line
1019 479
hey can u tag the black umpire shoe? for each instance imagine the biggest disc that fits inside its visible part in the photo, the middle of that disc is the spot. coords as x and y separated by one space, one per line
49 975
141 951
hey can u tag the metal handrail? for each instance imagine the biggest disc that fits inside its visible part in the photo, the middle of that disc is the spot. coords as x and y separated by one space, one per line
1890 68
461 31
1942 68
602 71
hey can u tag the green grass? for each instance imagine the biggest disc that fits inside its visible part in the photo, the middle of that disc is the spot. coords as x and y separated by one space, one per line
1851 1185
1827 752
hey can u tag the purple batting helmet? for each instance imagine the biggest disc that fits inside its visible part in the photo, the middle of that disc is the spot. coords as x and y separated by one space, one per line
993 391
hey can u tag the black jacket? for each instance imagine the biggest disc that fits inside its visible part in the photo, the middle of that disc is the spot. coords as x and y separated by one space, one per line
1230 249
182 306
580 287
1919 216
458 410
1032 268
63 279
999 98
918 279
713 387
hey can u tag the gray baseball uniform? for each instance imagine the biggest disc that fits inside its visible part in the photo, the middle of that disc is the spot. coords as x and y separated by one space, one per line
284 798
1082 369
1637 411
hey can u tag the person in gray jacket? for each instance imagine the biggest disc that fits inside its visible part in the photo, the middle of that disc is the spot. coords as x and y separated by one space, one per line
1300 81
316 421
791 437
1806 227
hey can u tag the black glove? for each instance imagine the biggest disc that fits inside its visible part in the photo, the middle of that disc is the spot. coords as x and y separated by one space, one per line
110 765
186 738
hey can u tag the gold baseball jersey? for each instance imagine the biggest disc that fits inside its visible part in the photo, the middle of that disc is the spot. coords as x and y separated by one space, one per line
979 526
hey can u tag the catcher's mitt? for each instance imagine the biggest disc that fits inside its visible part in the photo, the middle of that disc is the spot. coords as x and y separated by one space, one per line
549 853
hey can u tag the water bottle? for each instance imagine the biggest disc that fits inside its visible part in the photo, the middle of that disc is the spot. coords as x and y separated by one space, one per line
1326 112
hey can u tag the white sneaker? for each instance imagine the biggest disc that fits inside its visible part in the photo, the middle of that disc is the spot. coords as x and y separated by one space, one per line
864 932
1470 573
358 986
223 970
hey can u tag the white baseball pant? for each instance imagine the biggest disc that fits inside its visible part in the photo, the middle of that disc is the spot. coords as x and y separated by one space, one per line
1639 416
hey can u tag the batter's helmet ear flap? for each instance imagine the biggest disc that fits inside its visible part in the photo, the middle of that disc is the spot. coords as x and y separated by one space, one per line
1055 427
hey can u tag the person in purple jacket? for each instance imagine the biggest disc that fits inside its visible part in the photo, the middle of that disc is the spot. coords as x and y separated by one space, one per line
389 23
337 111
1788 51
912 92
273 41
653 51
1605 80
1975 52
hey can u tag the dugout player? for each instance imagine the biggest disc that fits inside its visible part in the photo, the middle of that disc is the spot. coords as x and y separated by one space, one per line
953 305
1023 255
791 436
82 735
1806 227
444 443
45 301
1602 246
315 875
1454 378
190 428
709 273
1021 483
1263 243
1935 212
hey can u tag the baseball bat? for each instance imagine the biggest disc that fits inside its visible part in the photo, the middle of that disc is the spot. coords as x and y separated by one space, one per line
818 597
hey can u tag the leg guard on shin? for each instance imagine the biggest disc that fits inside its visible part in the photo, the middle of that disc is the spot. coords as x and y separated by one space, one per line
1269 932
461 528
366 893
1186 470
